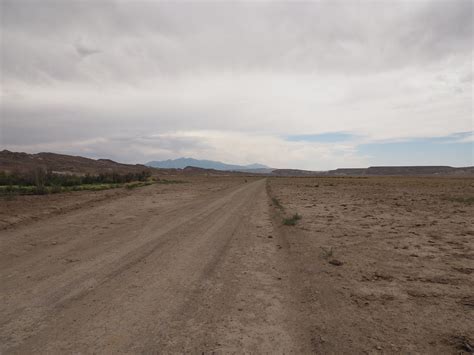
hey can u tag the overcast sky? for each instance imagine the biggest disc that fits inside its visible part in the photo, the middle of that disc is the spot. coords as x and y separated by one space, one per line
312 85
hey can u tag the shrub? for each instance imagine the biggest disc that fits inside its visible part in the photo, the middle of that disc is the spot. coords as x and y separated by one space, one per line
327 253
55 189
40 179
291 221
277 203
165 181
466 200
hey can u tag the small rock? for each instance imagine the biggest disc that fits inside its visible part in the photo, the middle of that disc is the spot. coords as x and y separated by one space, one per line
335 262
71 260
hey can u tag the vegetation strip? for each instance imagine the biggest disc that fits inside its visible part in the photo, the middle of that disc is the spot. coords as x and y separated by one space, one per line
40 181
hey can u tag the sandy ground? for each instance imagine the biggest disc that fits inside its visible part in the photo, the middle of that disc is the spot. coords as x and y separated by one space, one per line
381 264
377 265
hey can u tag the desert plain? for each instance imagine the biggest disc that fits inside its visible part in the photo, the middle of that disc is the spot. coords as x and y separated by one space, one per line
242 264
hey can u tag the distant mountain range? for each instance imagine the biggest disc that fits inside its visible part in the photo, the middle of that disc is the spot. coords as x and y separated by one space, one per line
181 163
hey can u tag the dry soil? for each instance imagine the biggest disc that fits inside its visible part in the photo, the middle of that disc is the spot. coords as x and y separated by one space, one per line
379 265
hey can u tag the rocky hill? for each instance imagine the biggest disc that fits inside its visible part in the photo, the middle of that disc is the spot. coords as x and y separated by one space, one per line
21 162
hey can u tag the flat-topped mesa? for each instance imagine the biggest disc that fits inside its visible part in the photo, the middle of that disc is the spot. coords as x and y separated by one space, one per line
381 171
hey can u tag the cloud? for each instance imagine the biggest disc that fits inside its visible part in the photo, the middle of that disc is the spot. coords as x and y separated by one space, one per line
84 51
214 145
329 137
76 73
186 37
464 137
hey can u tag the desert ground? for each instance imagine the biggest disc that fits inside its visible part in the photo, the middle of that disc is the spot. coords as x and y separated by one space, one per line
374 265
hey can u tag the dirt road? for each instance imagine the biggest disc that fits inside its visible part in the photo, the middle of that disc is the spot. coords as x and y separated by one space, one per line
134 275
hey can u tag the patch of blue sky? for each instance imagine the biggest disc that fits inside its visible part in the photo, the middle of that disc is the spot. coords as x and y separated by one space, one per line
453 150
